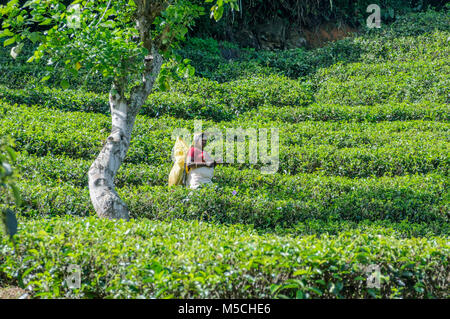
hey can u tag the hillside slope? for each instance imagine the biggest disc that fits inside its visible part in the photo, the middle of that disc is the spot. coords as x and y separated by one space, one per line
363 176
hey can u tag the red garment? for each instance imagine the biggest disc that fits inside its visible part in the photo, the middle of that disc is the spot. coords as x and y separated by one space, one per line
196 155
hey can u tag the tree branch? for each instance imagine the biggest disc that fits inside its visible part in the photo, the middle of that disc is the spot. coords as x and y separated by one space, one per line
147 11
140 92
107 7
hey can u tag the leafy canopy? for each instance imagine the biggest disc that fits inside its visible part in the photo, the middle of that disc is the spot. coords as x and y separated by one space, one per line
102 36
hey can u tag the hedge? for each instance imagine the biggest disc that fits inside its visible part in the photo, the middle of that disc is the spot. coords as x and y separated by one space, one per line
197 98
389 148
357 113
148 259
192 106
266 203
369 84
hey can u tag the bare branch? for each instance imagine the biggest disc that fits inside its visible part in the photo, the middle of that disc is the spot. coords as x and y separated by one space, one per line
104 12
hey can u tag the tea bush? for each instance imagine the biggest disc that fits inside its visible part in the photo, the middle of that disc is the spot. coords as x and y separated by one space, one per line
55 98
380 48
385 148
411 36
148 259
364 158
191 105
389 198
416 24
196 98
359 113
45 169
186 106
369 84
246 94
264 202
44 201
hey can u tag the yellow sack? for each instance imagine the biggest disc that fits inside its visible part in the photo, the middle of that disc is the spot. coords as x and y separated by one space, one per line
180 150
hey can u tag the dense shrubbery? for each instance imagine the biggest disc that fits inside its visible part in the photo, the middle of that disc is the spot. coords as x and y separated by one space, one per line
367 84
364 135
194 259
195 98
358 113
262 203
423 35
310 13
390 148
204 53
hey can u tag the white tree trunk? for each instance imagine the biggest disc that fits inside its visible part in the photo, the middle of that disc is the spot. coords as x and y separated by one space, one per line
102 172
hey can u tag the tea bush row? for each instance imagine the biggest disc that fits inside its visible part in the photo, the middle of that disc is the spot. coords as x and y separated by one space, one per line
158 104
398 196
416 36
360 83
46 169
342 134
358 113
195 98
192 106
394 206
263 202
369 48
394 148
148 259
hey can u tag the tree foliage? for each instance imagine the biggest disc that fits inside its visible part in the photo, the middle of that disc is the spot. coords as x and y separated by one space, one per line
102 36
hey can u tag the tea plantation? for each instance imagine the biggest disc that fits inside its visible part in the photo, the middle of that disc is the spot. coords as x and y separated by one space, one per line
363 176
